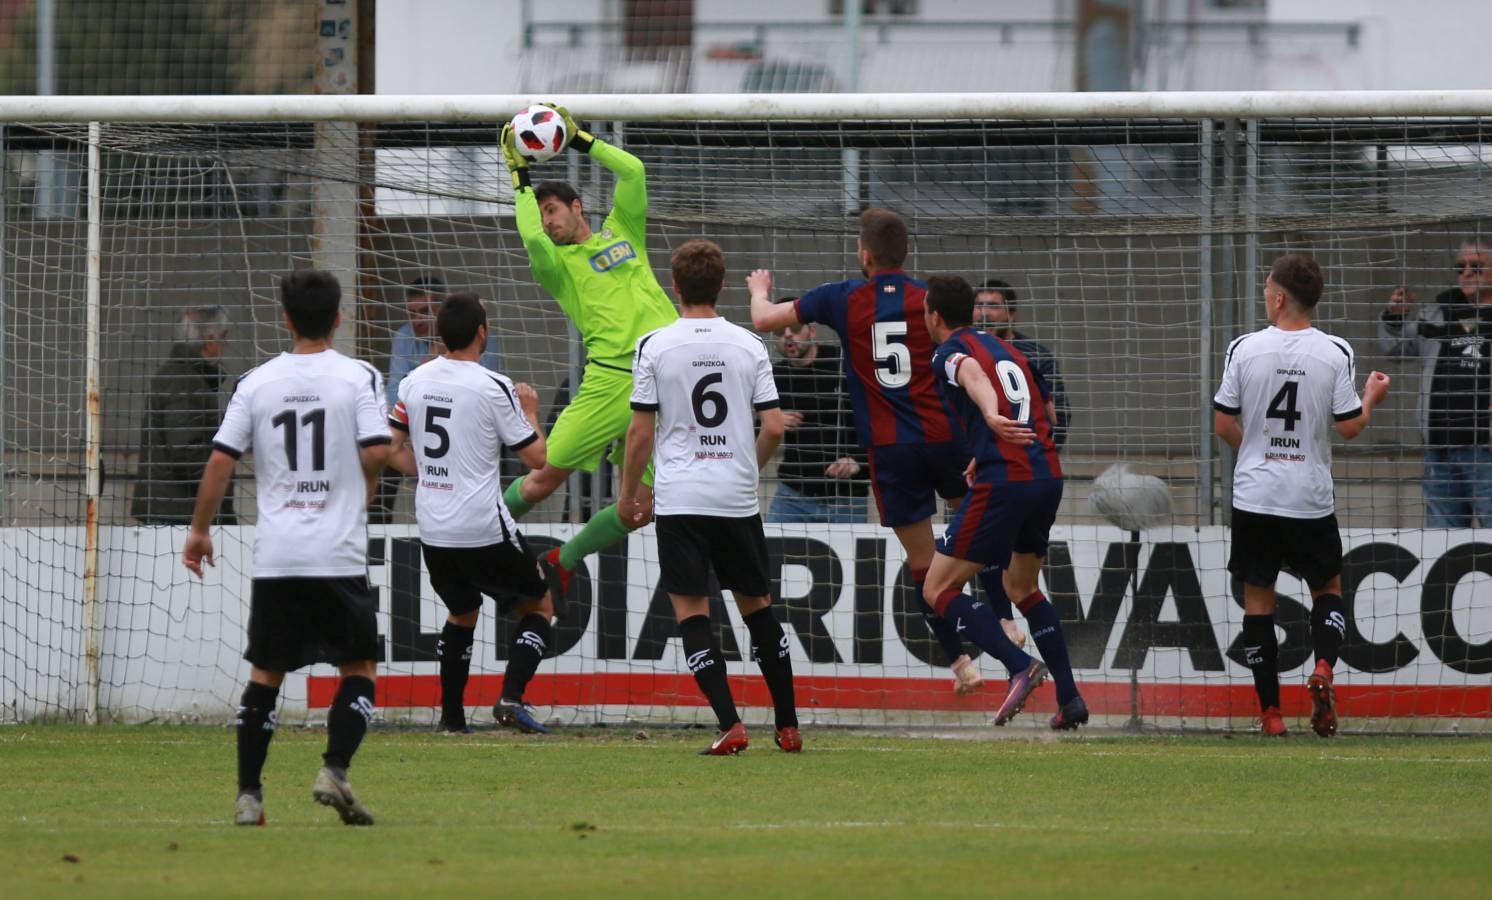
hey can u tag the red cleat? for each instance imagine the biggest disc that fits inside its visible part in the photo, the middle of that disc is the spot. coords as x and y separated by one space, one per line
1271 723
728 742
789 740
559 574
1323 700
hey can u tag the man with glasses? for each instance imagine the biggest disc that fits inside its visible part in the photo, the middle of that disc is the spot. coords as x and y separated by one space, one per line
1453 339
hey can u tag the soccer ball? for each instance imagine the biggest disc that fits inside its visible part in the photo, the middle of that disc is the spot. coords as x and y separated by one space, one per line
539 133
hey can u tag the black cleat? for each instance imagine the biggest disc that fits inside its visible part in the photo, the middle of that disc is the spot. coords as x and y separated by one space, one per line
1072 714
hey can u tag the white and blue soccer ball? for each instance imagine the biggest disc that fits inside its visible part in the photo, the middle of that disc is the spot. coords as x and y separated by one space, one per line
539 133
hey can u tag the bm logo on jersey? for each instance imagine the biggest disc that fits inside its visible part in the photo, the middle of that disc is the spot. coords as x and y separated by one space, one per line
613 256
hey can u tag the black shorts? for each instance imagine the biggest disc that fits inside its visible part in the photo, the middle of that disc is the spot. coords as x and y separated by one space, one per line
689 546
505 571
295 622
1264 544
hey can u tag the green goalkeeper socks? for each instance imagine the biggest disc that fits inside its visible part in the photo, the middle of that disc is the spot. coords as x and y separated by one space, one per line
513 497
603 530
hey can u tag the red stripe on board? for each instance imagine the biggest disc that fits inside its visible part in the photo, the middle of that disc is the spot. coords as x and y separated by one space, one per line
832 692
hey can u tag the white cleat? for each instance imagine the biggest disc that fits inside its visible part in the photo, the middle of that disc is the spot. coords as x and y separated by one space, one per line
335 792
249 810
1013 631
966 676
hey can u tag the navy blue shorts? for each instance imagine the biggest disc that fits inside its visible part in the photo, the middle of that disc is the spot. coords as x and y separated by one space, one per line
999 518
906 477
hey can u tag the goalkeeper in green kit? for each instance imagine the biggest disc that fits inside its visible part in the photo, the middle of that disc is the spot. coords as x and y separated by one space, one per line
603 282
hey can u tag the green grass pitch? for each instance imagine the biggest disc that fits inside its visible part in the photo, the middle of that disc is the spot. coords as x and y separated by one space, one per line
144 812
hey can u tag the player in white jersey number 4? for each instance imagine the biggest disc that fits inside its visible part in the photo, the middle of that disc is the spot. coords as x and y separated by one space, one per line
697 385
316 423
1283 390
451 421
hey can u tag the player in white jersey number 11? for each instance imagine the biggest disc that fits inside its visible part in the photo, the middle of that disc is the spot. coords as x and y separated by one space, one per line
1284 390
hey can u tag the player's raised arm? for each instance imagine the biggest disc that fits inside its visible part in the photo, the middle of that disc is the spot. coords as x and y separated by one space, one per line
629 208
1373 393
533 452
543 258
766 315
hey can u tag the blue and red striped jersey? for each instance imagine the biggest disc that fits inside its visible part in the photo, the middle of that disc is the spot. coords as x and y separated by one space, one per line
1021 393
886 352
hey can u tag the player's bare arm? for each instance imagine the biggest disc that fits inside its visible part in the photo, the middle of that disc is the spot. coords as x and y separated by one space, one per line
210 493
769 435
1225 426
401 453
632 504
1373 393
766 315
536 454
976 384
374 460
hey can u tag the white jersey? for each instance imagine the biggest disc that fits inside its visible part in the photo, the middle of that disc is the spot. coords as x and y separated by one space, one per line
307 417
1288 389
459 416
704 377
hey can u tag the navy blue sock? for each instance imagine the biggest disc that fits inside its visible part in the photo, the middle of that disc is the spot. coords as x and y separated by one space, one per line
1046 630
975 619
941 629
992 579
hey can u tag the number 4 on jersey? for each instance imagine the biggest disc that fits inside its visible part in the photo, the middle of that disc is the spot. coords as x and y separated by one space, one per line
1283 406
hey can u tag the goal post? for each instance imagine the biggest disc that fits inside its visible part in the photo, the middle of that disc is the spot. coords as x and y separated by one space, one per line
1133 231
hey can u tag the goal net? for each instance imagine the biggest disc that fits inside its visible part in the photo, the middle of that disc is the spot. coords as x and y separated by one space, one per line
1133 232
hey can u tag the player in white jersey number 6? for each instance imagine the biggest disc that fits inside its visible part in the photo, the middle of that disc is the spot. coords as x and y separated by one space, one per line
697 386
1284 389
316 423
450 423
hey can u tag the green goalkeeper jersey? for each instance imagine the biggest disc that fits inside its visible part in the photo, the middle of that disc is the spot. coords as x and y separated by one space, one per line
605 285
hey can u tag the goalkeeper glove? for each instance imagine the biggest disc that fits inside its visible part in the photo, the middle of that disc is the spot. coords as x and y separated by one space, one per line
517 165
576 136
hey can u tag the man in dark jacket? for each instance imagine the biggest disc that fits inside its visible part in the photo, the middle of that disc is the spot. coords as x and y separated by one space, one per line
181 416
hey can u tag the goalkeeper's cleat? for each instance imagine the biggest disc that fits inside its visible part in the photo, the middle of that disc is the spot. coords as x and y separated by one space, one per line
1323 700
1272 723
1013 631
559 577
333 790
728 742
966 677
1071 714
249 810
517 715
789 740
1021 687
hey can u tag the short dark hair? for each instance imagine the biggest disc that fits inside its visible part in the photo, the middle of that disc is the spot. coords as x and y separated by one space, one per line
952 298
310 298
699 272
460 315
425 284
560 189
1299 275
1004 289
884 234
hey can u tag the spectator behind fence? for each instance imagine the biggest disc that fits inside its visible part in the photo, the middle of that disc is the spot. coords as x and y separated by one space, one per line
994 312
822 475
1451 338
181 416
416 343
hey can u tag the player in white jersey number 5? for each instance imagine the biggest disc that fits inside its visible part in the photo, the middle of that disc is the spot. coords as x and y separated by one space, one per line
450 423
697 386
1284 389
316 423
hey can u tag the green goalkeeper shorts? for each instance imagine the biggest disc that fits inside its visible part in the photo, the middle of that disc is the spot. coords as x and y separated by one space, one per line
595 419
